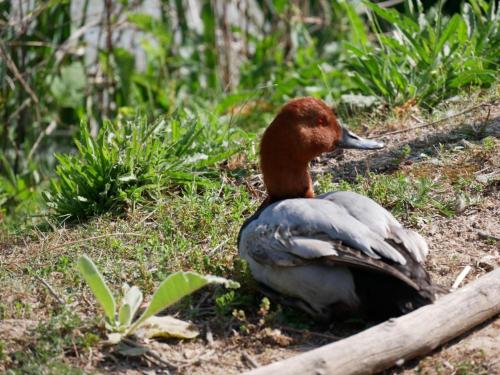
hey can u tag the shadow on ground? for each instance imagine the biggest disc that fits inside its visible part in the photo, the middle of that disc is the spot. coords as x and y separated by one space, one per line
388 160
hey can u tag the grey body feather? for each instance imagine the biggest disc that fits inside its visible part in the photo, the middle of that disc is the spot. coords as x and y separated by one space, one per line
300 247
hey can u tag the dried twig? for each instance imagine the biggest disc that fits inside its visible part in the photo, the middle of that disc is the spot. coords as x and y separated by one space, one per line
487 236
417 119
151 353
175 366
209 336
159 359
380 347
13 68
96 238
147 216
109 52
51 290
461 277
250 360
218 247
195 359
16 112
49 129
434 122
312 333
21 24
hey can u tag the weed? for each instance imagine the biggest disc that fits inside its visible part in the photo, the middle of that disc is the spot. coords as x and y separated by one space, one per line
473 365
22 309
2 350
467 185
427 56
291 317
228 302
489 143
403 154
132 161
172 289
490 241
18 194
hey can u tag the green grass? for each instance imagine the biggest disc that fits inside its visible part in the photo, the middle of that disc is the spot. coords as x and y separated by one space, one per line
60 337
427 56
154 194
184 231
134 161
404 196
416 56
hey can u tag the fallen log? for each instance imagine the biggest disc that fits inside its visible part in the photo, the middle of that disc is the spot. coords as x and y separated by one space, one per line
397 340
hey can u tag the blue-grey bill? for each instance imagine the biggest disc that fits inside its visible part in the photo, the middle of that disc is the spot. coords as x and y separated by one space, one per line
351 140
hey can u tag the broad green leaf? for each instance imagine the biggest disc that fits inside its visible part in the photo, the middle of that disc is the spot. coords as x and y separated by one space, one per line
132 298
124 315
98 286
175 287
390 15
279 5
151 25
448 32
166 327
125 63
472 75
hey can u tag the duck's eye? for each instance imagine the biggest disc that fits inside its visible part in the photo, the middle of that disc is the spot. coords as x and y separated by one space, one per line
321 121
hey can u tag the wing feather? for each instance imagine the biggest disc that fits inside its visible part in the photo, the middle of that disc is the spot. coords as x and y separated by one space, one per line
379 220
306 220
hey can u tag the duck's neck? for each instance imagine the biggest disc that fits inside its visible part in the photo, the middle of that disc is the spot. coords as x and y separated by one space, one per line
284 162
286 181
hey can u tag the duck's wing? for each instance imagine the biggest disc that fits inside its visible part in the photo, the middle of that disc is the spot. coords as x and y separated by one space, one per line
319 231
301 225
301 251
379 220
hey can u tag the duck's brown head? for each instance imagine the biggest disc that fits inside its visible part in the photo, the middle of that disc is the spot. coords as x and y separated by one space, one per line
302 130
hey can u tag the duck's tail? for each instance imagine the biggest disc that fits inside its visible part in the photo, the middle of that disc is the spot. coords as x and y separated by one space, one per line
383 296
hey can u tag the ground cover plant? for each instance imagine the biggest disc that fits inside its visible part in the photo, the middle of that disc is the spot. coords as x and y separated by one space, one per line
428 56
120 318
132 160
150 164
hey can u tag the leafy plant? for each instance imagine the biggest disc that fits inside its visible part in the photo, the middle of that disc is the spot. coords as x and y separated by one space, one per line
119 320
130 161
18 195
426 56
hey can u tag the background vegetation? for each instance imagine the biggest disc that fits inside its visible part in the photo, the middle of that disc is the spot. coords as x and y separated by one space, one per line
152 122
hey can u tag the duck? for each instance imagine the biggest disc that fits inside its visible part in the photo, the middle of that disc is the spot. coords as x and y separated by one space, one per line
338 255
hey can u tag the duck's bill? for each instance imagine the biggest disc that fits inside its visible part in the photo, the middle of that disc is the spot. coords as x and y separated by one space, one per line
351 140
